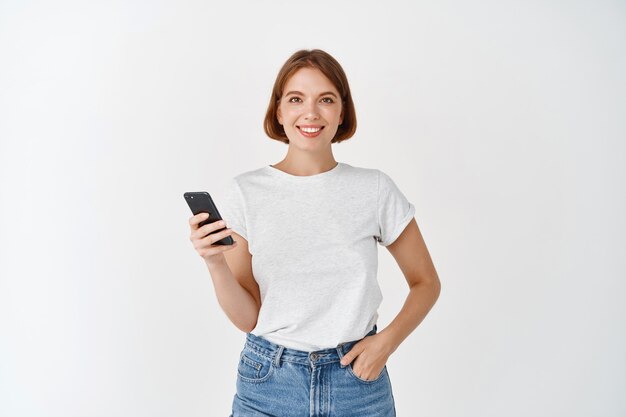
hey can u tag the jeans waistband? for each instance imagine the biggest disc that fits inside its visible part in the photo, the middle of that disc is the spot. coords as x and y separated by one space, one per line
278 353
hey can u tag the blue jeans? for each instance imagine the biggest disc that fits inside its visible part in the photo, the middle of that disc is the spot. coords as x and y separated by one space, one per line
273 380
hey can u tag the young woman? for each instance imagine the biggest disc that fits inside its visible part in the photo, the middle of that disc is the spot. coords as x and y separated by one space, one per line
301 278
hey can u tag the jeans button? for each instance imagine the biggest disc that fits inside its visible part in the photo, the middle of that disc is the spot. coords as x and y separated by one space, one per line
313 356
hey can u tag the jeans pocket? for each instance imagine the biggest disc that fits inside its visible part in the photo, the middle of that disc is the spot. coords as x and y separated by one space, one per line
366 381
254 366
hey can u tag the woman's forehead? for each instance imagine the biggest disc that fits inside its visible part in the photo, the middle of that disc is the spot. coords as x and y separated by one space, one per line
310 79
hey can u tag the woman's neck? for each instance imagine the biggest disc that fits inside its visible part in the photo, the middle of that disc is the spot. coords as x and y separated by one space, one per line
305 166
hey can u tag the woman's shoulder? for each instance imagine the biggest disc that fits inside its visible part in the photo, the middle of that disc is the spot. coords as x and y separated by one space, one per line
250 174
360 171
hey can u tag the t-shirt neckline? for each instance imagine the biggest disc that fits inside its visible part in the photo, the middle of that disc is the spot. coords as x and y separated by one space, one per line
282 174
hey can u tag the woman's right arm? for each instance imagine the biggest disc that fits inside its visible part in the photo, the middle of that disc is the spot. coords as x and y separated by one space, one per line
230 267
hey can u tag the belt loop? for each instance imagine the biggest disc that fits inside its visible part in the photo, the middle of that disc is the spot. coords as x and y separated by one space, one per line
340 353
278 355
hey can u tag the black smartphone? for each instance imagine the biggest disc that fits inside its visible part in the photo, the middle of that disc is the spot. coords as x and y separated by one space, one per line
201 202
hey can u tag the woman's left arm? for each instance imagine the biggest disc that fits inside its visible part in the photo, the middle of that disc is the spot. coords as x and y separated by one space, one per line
411 254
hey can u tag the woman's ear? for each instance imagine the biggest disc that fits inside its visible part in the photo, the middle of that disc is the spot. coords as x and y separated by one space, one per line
279 117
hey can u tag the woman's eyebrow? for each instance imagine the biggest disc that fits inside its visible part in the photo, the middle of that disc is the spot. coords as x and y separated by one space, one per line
322 94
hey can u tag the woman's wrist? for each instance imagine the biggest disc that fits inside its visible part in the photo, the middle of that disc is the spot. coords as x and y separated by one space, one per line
215 260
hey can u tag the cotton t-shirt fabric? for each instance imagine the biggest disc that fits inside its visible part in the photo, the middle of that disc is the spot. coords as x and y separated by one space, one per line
313 241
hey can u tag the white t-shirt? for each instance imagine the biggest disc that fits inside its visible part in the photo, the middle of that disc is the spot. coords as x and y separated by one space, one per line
313 241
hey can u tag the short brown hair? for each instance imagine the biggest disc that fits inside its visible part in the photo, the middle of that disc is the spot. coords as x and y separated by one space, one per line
313 58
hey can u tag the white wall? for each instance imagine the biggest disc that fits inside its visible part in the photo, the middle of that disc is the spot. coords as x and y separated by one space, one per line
502 121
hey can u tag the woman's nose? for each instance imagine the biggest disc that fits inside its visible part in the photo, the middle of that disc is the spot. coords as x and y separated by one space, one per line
311 110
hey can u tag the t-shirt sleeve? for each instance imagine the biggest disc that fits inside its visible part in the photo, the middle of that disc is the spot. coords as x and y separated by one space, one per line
233 209
394 210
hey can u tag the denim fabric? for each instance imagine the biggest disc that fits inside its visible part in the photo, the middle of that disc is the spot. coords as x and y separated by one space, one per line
273 380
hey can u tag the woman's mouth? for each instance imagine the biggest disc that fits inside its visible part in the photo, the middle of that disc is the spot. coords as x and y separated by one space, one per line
310 132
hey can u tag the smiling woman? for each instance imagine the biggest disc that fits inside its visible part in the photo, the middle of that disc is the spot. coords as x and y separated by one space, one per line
309 307
311 78
306 111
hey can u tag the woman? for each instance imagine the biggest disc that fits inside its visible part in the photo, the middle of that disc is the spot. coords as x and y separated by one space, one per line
301 278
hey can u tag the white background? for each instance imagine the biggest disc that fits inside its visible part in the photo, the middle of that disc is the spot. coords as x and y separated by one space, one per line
502 121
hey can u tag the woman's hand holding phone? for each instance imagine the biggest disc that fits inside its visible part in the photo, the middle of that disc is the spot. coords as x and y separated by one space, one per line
203 238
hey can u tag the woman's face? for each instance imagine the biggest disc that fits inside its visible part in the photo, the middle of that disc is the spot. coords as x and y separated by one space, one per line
310 109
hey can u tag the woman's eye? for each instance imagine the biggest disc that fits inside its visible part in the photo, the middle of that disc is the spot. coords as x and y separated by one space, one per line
327 100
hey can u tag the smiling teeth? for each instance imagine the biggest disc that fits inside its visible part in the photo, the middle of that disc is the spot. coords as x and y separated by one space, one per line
310 129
